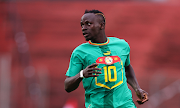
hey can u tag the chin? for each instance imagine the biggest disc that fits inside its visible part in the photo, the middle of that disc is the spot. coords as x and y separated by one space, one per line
87 39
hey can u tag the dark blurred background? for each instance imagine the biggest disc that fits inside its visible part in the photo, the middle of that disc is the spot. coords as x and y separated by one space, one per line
37 38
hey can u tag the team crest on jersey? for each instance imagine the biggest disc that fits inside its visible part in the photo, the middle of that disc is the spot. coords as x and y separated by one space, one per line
108 60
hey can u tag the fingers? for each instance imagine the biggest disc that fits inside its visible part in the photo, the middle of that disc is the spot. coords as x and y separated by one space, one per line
145 98
144 95
92 71
93 65
140 93
139 101
93 75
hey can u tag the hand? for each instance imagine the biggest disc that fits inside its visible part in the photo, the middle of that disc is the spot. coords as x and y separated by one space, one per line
142 95
89 70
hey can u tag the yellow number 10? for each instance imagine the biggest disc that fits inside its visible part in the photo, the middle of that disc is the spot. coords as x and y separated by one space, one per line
107 73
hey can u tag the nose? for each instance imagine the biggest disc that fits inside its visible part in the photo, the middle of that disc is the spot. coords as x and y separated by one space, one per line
84 28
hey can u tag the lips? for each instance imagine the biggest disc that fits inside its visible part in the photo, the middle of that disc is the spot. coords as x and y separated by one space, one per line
85 34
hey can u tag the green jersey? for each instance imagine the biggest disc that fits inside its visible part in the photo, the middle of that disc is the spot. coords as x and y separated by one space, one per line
109 89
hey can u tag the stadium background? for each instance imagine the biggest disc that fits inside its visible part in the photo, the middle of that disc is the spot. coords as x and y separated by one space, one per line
37 38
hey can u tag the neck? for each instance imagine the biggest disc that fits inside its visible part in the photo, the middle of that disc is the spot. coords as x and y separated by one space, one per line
100 39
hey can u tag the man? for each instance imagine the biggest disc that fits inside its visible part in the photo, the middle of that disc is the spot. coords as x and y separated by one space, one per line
103 65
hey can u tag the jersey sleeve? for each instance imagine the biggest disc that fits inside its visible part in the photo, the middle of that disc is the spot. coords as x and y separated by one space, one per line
128 56
127 60
75 65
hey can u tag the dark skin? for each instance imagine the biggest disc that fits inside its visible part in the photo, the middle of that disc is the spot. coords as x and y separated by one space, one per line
93 28
132 81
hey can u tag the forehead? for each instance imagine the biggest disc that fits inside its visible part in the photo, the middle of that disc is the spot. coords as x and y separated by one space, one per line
88 17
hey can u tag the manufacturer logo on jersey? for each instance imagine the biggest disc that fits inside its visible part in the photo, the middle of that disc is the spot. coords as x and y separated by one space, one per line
108 60
107 53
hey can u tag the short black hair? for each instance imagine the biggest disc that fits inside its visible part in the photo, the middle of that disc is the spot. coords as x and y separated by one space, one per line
96 12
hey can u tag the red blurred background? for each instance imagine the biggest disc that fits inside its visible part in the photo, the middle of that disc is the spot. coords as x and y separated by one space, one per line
37 38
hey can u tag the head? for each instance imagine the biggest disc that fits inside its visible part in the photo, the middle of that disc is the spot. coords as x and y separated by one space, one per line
93 24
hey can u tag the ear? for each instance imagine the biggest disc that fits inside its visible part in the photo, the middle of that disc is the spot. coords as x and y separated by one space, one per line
102 25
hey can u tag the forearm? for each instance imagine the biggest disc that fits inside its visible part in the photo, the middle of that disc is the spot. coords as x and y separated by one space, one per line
131 78
72 83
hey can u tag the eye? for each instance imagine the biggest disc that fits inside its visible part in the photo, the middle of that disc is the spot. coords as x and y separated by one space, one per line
88 24
82 25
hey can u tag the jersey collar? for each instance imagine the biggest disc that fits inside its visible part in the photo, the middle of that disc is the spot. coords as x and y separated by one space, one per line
100 44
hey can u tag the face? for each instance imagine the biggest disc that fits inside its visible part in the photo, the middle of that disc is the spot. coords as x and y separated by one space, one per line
90 26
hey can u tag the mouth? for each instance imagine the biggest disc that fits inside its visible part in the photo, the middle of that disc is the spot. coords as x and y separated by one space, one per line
85 34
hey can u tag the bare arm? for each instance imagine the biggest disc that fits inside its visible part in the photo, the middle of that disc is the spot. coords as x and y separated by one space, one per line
132 81
131 78
72 83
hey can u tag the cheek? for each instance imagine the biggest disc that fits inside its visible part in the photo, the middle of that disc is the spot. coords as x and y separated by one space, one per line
95 29
92 29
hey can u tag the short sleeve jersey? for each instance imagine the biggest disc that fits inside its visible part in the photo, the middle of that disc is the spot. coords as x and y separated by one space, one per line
109 89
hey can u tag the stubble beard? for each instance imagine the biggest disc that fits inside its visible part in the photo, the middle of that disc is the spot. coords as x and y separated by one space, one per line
87 39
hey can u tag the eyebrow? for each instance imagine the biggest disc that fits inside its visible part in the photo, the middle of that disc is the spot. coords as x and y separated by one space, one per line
85 21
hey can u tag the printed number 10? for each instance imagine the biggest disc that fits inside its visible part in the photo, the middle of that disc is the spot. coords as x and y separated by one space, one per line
107 73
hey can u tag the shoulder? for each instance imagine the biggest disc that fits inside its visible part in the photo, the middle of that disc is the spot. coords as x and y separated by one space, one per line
79 49
116 40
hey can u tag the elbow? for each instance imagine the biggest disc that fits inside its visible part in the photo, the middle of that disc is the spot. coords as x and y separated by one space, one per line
70 85
67 89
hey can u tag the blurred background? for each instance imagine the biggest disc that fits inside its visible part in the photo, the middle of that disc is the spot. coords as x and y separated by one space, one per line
37 38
